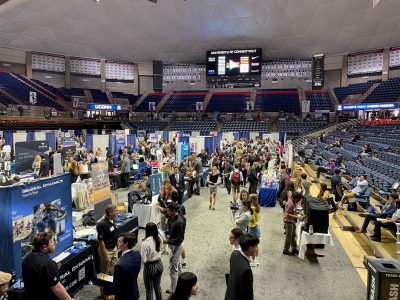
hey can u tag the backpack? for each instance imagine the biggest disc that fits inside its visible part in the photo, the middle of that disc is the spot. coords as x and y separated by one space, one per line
236 178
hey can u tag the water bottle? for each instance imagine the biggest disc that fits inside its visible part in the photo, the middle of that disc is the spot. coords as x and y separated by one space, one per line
311 229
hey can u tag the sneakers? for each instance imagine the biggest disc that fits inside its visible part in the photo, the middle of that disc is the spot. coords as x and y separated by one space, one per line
213 208
376 239
287 252
184 265
253 264
209 207
295 252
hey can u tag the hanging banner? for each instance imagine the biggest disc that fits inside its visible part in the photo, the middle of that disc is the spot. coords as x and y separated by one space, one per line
5 165
37 207
25 153
101 183
155 183
119 140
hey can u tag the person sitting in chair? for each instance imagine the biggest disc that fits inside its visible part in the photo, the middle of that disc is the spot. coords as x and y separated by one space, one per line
327 169
357 191
389 223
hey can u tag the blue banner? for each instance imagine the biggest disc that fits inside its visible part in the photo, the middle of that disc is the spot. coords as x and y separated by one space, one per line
104 106
367 106
184 150
155 183
37 207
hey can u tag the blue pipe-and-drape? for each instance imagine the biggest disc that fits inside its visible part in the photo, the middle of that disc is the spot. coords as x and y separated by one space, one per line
89 141
6 249
282 137
30 136
131 139
165 136
51 139
112 146
9 138
184 139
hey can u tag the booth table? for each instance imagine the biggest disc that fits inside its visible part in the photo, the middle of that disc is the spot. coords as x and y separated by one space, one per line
147 212
267 196
316 238
115 180
80 195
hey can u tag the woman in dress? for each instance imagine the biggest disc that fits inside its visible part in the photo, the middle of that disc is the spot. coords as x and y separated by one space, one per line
151 257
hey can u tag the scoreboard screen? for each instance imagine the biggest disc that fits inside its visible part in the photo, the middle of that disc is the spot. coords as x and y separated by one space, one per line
241 66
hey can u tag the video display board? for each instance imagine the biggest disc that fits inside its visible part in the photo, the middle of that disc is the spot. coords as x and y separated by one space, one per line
241 66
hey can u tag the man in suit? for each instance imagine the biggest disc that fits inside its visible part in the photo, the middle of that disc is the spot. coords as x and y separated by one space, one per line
127 269
240 282
44 167
178 182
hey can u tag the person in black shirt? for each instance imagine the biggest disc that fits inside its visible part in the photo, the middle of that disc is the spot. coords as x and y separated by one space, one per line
336 185
176 235
40 273
107 236
213 184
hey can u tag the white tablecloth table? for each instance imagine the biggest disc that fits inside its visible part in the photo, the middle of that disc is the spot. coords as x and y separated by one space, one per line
316 238
147 213
81 196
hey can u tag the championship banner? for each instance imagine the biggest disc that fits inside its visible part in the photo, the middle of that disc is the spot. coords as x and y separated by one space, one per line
101 183
25 153
37 207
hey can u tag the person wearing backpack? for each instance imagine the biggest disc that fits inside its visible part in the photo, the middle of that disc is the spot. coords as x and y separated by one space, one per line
236 178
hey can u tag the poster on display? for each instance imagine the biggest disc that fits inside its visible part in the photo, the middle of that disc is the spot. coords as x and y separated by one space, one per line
153 137
67 151
37 207
25 153
5 165
184 150
119 140
141 133
67 141
155 183
101 183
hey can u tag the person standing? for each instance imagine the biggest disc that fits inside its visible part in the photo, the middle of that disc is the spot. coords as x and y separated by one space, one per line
234 238
290 218
187 286
178 181
107 237
176 235
240 282
213 186
125 169
236 178
254 227
127 269
40 273
44 167
242 221
198 170
253 179
153 267
227 172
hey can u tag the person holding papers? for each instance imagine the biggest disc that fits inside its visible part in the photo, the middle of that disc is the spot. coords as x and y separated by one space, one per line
389 223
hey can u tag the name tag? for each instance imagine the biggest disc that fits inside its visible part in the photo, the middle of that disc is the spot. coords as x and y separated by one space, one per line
112 229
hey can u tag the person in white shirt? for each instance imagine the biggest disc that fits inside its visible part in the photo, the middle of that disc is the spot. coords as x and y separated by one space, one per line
151 257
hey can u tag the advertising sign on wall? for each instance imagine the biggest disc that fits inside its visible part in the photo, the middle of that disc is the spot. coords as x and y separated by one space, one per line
101 183
25 153
155 183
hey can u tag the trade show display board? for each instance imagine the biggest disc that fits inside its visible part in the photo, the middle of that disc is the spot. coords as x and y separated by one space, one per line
101 183
155 183
26 210
25 153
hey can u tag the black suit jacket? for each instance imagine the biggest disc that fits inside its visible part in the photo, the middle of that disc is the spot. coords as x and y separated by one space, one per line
240 282
44 168
126 272
180 186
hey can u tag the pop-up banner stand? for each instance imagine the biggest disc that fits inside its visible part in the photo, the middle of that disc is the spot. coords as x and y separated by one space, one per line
31 208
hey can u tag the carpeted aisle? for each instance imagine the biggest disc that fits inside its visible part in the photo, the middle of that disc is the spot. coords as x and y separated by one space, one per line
277 277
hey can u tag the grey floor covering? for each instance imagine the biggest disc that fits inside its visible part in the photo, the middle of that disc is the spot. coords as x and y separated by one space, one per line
277 277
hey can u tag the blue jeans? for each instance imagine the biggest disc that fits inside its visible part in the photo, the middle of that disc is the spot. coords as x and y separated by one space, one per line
254 230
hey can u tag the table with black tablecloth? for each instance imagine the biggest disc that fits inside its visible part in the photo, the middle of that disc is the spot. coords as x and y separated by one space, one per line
115 180
267 196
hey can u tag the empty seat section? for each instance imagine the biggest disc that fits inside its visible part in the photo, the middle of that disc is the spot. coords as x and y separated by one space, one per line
245 126
149 125
228 102
286 100
387 91
132 99
99 97
319 100
296 127
20 90
352 89
184 101
193 126
151 97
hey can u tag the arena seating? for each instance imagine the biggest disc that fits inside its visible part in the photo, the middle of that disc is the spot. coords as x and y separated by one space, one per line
151 97
5 100
98 96
21 91
193 125
286 100
132 99
149 125
387 91
352 89
234 102
319 100
184 101
50 88
296 127
69 93
245 126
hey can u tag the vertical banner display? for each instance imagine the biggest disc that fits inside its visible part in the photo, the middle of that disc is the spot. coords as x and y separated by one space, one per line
5 165
37 207
32 97
25 153
155 183
119 140
318 69
184 150
67 151
101 183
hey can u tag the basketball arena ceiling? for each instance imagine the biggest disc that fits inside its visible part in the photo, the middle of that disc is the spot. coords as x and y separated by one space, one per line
181 31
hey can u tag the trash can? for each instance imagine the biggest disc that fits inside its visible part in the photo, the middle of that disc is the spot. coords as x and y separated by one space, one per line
383 279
